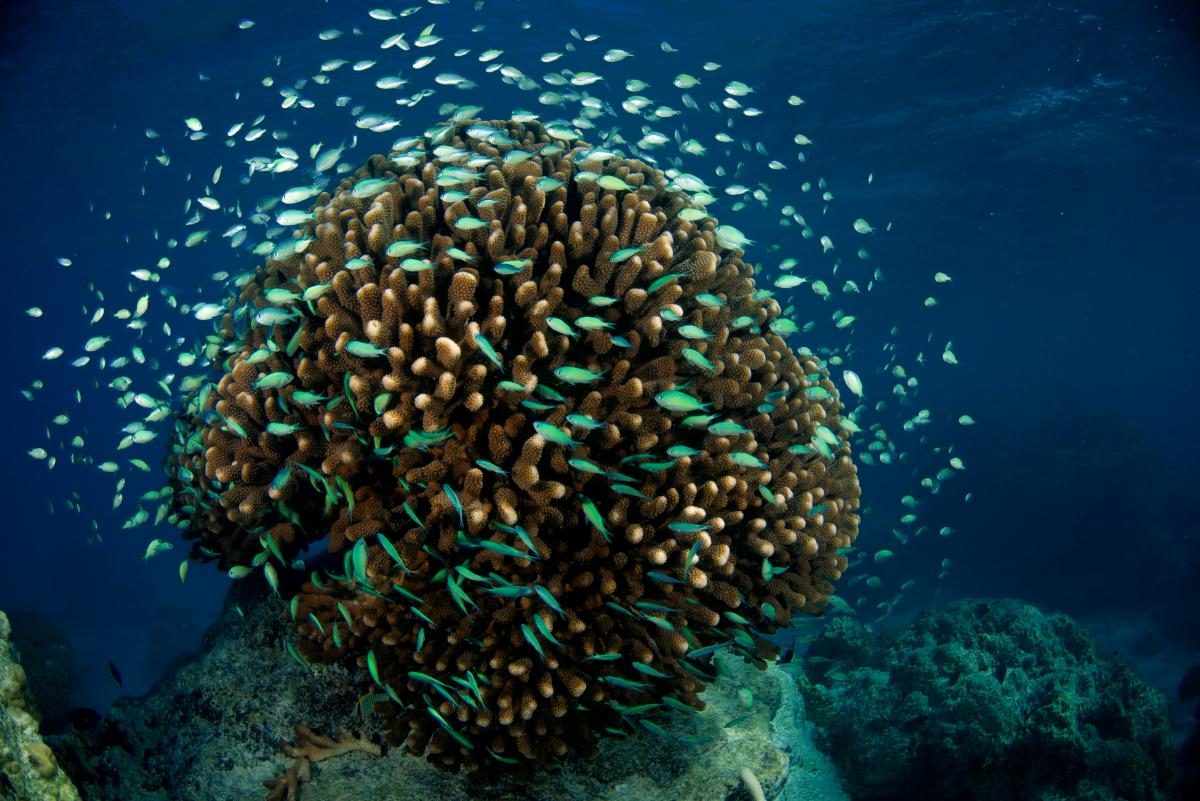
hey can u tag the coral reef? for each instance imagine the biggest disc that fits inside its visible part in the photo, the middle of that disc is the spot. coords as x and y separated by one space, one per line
48 662
308 748
210 732
28 768
1188 757
553 435
982 701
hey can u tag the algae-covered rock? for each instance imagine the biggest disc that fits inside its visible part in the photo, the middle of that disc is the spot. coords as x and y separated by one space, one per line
48 662
28 768
982 701
210 731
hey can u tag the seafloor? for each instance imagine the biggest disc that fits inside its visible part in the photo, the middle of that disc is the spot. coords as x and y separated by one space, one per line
984 699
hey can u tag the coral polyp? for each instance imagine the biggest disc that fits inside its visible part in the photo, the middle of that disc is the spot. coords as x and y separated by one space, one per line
553 438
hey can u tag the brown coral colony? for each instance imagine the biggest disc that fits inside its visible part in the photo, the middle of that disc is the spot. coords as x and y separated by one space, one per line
556 447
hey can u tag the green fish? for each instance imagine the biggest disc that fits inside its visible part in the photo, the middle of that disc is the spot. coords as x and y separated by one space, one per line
488 350
675 401
274 380
506 550
517 531
549 600
459 595
293 344
513 266
728 428
509 592
282 429
583 421
373 667
584 466
532 639
280 295
688 528
358 558
625 254
554 434
679 706
743 459
624 684
453 496
405 247
391 551
783 327
306 398
593 516
577 375
662 281
364 350
470 223
412 515
592 323
547 392
690 331
458 737
698 359
291 649
369 187
642 667
492 466
544 629
460 254
647 606
561 326
613 183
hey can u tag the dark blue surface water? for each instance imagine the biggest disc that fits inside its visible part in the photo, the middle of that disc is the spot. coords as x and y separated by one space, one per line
1045 155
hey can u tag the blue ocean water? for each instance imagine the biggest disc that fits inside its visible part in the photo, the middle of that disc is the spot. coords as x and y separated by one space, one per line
1046 156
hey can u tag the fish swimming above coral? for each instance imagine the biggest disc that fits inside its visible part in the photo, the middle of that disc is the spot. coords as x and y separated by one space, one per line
423 471
559 435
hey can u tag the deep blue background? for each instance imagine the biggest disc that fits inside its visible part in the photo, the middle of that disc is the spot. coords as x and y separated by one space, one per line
1045 155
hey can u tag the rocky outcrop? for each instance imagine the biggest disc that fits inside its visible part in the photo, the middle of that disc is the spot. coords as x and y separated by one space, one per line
28 768
985 701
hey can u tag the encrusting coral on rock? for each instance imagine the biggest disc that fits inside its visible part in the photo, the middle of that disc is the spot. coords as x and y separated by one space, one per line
28 768
555 437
